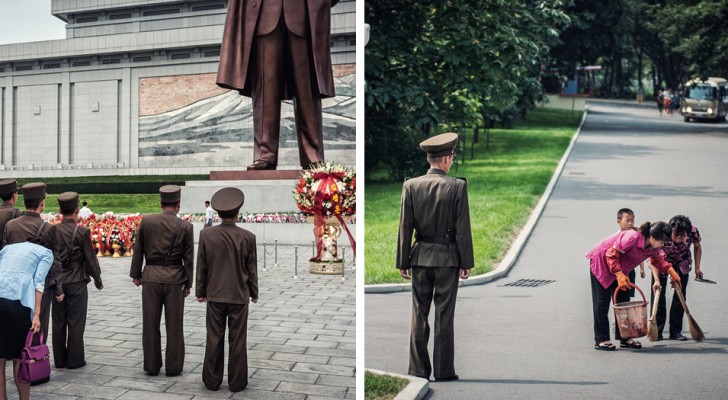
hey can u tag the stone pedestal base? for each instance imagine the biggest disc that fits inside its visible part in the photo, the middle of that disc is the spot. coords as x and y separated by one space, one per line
327 267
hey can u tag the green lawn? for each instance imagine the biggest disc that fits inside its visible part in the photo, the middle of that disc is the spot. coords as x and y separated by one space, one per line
504 184
382 387
118 203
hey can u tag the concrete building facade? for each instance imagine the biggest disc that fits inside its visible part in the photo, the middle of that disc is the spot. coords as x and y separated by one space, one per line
131 90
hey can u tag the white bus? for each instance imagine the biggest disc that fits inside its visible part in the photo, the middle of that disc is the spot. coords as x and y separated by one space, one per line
706 100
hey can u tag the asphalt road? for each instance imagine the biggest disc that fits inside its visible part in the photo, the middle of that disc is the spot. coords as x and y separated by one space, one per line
537 343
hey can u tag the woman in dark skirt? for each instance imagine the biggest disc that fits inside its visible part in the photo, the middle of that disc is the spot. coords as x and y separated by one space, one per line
23 269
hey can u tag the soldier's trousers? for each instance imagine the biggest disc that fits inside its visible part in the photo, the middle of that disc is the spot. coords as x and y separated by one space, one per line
69 325
236 317
154 297
440 284
45 313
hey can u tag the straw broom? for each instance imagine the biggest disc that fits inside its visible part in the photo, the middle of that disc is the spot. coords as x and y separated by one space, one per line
695 330
652 333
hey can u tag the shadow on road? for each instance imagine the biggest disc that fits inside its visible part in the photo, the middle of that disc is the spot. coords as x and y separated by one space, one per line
589 190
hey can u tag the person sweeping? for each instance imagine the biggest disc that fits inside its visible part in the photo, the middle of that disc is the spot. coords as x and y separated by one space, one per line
610 261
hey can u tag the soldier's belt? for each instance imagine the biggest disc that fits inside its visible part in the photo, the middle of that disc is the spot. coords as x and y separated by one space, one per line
445 239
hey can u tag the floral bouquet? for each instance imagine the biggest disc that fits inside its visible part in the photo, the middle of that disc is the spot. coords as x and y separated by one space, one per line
327 191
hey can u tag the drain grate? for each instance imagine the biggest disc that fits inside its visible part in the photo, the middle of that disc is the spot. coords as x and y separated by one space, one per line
530 282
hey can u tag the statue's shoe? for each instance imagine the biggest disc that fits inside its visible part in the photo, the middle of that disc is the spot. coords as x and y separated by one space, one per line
261 165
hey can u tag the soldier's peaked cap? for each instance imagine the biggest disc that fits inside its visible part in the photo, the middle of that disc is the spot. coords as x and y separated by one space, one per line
8 186
34 191
170 193
440 145
68 200
227 201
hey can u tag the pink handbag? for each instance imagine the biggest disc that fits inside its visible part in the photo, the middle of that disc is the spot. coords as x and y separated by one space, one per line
35 364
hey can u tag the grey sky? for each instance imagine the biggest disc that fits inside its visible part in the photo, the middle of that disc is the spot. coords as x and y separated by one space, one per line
29 21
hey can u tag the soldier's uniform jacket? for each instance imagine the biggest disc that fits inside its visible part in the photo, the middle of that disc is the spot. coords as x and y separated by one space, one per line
153 242
7 212
76 256
24 228
427 202
228 276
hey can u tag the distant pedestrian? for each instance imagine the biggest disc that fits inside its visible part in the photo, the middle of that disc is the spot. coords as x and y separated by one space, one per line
84 212
166 243
209 214
74 251
436 207
660 101
677 252
610 261
227 279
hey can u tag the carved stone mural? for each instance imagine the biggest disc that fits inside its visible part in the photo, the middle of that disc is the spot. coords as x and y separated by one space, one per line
189 121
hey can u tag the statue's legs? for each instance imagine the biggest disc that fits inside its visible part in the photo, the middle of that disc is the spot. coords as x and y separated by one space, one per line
283 58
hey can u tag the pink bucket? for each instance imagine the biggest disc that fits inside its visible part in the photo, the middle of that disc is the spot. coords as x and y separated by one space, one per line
631 316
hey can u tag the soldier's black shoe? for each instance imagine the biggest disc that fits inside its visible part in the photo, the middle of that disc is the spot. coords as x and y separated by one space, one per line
261 165
679 337
447 378
173 373
77 366
152 373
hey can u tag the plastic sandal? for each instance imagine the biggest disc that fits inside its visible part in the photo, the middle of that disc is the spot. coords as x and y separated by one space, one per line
631 344
607 345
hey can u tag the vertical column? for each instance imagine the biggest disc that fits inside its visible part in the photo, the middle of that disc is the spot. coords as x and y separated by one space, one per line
131 117
2 125
71 111
14 127
64 117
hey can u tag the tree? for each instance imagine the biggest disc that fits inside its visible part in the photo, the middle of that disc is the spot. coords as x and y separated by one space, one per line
431 63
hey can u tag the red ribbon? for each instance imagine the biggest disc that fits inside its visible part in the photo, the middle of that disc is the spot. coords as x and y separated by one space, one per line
351 238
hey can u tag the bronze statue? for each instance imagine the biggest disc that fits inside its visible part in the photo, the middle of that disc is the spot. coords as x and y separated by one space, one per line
275 50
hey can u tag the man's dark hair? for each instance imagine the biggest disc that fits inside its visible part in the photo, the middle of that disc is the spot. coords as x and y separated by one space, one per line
623 211
229 214
207 202
6 196
67 211
681 225
84 204
32 204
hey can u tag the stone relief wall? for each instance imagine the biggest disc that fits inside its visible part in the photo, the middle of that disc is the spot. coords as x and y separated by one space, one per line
189 121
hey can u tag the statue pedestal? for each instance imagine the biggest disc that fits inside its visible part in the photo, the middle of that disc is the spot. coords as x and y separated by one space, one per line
326 267
287 174
265 191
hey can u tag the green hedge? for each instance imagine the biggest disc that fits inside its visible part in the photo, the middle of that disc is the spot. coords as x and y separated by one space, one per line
113 184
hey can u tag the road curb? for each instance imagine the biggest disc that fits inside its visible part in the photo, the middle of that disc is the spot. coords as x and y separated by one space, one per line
416 390
516 247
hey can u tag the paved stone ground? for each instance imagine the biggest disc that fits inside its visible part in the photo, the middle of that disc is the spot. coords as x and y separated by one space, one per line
301 340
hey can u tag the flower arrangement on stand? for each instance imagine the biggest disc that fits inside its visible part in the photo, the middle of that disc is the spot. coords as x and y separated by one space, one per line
326 193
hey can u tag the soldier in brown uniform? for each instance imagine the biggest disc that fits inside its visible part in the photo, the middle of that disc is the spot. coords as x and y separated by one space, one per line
74 251
435 208
30 226
227 278
166 243
9 194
